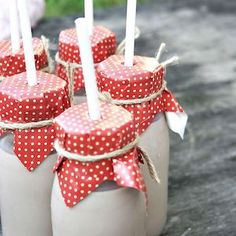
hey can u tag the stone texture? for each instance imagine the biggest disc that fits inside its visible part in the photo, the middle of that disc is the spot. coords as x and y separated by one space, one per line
202 190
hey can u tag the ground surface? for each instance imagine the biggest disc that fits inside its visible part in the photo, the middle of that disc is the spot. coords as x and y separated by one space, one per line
202 189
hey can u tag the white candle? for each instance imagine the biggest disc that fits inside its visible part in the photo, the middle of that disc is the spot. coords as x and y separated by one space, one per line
88 12
14 26
88 68
27 43
130 31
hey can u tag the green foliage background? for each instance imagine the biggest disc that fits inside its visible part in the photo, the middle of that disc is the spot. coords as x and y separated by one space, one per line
67 7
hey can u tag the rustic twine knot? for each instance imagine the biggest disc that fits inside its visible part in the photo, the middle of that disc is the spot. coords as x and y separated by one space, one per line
172 61
21 126
93 158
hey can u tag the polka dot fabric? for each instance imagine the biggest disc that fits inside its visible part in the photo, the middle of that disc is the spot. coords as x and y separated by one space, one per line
103 43
78 134
143 79
20 103
11 64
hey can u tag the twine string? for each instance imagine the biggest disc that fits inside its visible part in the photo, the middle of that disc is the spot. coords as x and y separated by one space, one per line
73 65
70 69
150 165
94 158
70 74
22 126
160 51
106 97
172 61
46 43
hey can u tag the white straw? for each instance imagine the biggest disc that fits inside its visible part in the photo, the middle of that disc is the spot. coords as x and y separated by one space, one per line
27 42
88 12
88 68
14 26
130 30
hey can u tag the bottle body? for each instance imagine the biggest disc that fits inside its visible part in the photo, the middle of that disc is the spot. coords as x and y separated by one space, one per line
155 141
25 196
110 210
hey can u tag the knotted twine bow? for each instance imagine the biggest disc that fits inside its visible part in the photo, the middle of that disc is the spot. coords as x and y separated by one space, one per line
172 61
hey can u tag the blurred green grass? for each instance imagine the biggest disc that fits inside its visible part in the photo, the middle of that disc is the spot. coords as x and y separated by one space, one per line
68 7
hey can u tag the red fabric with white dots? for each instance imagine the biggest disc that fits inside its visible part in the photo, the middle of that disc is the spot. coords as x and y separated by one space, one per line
11 64
21 103
141 80
78 134
103 43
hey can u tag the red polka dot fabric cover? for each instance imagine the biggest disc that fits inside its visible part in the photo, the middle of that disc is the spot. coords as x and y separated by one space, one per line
143 79
11 64
76 133
103 43
20 103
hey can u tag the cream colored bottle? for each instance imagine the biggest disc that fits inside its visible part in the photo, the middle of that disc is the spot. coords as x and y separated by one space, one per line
155 141
123 210
25 196
108 211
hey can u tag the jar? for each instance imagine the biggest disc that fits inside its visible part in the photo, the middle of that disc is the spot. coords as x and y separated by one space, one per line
102 193
142 90
112 210
157 194
25 196
26 160
69 68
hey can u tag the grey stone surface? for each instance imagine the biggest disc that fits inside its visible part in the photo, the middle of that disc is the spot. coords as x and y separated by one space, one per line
202 189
